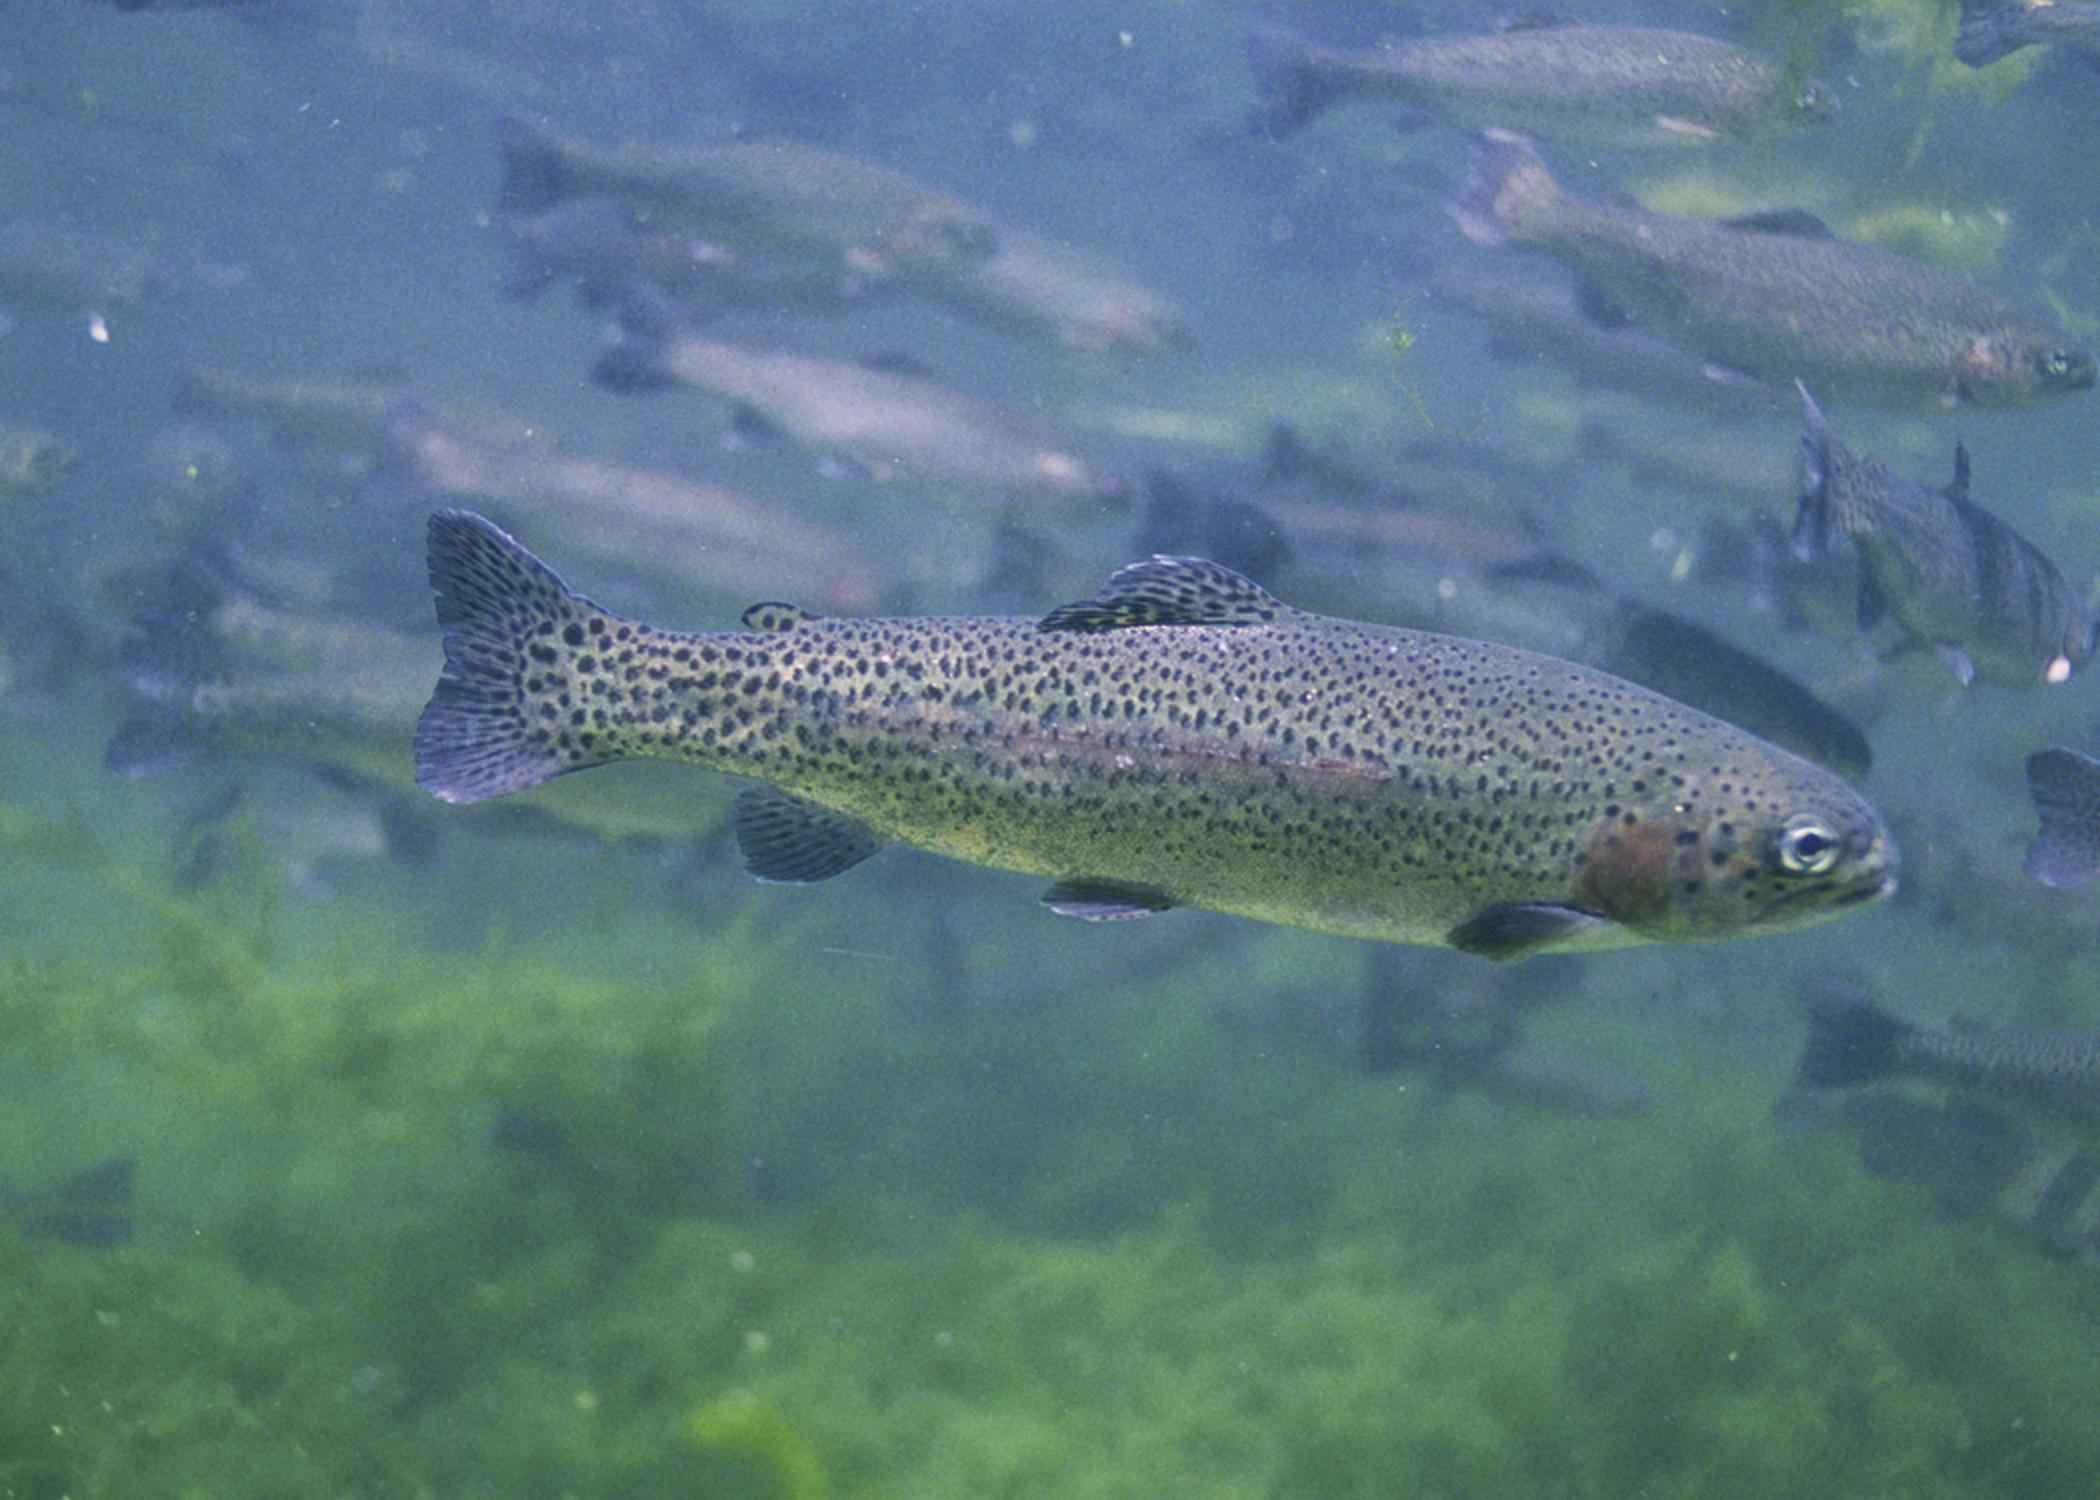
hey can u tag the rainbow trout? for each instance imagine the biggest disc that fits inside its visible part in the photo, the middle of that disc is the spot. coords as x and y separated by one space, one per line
1181 739
1853 1041
1987 601
1777 294
1991 29
1601 85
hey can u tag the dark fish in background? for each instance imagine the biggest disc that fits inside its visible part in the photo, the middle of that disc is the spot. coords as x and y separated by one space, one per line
1537 318
1181 518
839 214
1776 294
59 268
1600 85
815 230
32 460
2065 786
594 243
90 1209
1991 29
1682 659
1951 574
1853 1041
1182 738
1976 1160
1477 1043
893 427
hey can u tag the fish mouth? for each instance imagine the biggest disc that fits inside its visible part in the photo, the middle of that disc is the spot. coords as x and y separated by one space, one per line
1863 894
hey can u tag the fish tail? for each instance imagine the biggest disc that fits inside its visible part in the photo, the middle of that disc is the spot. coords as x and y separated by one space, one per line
507 620
1811 534
1988 32
1294 88
169 651
635 363
1851 1040
1508 191
535 178
2066 790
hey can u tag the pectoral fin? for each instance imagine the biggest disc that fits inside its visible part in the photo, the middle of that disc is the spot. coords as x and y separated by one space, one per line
1518 929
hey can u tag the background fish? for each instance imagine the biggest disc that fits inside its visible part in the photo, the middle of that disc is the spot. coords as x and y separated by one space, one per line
1851 1040
2065 786
32 460
1954 576
1777 295
1991 29
90 1209
892 425
1618 85
1181 739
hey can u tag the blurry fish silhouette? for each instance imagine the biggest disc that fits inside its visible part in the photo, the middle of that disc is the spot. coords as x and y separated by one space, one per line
1991 29
1601 85
91 1209
1777 294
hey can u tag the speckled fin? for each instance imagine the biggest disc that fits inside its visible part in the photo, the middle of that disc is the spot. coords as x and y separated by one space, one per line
793 841
1517 929
2066 790
1105 900
499 605
1170 591
773 618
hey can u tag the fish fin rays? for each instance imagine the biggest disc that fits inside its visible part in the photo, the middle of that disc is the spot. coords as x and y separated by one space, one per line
2065 786
1518 929
1106 900
473 740
790 840
1166 590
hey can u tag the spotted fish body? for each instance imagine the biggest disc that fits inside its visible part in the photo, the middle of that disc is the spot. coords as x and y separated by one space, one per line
1603 85
1951 574
1852 1041
1777 294
1182 739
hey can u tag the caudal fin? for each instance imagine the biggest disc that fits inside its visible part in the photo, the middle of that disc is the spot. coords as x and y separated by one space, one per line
1294 88
494 725
535 178
1811 534
2066 790
1851 1040
1507 188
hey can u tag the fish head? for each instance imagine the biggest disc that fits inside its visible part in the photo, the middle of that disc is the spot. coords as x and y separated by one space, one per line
2006 368
1740 850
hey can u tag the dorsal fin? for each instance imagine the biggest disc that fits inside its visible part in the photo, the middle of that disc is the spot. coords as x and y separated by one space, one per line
1798 222
772 617
1958 487
1170 591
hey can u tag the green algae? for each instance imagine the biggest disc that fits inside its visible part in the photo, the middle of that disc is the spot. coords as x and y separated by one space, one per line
1156 1259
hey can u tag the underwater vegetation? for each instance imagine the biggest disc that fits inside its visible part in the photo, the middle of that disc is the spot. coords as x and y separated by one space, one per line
486 1222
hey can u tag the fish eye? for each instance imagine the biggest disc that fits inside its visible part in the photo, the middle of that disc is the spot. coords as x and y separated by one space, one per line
2056 363
1807 846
